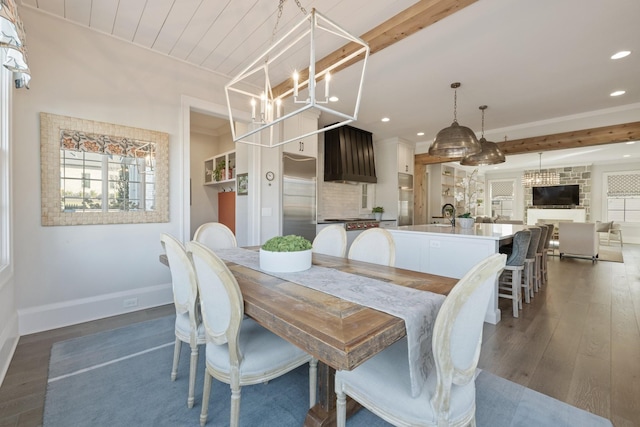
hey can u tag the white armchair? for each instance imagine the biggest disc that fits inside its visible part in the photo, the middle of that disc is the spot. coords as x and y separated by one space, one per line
578 239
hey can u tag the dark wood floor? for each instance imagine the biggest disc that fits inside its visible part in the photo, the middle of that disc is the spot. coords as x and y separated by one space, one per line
578 341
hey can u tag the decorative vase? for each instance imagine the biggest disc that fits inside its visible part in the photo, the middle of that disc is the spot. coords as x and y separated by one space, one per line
465 222
285 262
378 215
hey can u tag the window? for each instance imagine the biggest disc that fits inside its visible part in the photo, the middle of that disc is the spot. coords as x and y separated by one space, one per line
102 173
5 174
623 196
502 197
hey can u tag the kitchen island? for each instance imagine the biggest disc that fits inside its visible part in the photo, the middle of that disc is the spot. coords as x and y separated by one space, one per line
451 251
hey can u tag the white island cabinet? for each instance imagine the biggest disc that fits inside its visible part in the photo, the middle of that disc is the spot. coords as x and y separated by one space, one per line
451 251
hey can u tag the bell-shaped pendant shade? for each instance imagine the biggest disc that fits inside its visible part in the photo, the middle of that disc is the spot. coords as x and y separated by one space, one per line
489 155
455 141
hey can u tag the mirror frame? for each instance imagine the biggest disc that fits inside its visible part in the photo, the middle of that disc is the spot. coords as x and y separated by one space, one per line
52 214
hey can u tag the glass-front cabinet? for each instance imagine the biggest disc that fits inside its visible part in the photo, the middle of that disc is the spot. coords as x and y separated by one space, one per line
220 169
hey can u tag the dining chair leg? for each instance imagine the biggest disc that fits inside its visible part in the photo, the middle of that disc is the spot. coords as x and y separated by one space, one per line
341 409
206 393
193 367
176 359
235 405
313 381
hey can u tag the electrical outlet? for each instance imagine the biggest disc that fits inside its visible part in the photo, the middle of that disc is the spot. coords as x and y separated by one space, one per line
130 302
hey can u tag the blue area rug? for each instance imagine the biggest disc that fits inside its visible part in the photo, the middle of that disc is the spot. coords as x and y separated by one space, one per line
122 378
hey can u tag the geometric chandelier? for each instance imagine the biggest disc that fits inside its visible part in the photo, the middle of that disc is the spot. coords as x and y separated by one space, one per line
273 111
539 178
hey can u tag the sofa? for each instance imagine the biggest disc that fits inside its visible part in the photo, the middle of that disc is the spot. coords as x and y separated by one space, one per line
578 239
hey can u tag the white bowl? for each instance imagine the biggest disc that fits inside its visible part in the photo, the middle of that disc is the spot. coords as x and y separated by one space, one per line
285 262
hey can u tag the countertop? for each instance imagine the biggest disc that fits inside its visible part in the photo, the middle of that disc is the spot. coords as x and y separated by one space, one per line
480 230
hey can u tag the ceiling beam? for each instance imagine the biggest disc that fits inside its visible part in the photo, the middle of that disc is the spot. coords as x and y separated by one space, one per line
574 139
409 21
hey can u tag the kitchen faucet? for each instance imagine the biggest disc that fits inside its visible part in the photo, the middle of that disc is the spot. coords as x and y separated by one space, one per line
449 209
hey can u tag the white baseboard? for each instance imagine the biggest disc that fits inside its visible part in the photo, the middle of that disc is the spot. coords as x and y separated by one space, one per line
8 343
58 315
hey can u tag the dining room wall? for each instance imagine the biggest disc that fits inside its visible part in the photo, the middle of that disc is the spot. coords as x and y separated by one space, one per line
70 274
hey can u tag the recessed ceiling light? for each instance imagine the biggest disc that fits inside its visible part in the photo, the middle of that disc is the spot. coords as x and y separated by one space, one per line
620 54
630 142
385 119
420 134
334 99
618 93
627 155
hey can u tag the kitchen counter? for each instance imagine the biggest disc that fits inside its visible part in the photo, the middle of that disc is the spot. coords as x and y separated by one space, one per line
451 251
480 230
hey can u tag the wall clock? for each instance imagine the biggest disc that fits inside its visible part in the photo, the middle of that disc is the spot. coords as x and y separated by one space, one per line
270 176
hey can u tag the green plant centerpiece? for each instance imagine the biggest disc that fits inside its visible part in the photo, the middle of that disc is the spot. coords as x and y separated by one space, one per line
377 212
286 254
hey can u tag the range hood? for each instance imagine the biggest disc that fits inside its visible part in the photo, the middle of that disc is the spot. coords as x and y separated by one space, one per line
348 155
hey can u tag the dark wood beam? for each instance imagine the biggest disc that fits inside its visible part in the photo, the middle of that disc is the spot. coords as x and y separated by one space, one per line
558 141
409 21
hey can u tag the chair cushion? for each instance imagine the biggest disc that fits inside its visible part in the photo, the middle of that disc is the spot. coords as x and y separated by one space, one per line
384 379
262 351
183 329
603 227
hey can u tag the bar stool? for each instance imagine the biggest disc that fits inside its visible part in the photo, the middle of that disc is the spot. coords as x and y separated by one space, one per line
545 252
529 280
510 280
539 257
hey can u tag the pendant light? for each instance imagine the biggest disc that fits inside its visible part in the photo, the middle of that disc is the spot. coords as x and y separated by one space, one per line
456 140
490 154
539 178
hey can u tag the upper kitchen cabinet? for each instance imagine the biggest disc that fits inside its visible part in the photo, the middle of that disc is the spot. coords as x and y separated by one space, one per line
394 191
299 125
406 154
220 169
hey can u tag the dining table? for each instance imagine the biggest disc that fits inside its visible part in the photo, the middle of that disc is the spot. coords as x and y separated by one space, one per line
341 334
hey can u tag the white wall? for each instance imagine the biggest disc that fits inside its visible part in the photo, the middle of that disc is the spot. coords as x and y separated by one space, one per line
66 275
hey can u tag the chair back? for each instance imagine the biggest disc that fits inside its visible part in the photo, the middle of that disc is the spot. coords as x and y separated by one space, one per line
183 276
551 228
457 331
331 240
521 243
215 235
374 245
544 231
221 301
535 239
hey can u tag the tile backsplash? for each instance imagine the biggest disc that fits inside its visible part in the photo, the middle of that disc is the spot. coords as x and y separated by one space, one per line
339 201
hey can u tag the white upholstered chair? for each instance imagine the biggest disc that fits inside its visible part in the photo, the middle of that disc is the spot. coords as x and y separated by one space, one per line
382 383
511 279
215 235
239 351
374 245
188 325
578 239
331 240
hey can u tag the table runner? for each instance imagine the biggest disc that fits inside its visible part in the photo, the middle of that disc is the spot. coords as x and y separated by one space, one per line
417 308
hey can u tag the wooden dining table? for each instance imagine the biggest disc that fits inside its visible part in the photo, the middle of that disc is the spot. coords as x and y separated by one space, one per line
339 333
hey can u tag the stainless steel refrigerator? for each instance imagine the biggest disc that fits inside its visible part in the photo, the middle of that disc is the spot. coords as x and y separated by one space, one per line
299 196
405 199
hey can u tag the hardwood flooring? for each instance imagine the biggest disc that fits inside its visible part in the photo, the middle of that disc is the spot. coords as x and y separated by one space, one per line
578 341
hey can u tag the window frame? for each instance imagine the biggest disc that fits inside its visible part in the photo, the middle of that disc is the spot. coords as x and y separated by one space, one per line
6 236
52 214
606 199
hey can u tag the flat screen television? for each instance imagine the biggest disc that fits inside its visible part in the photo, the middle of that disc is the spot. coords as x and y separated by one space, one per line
556 195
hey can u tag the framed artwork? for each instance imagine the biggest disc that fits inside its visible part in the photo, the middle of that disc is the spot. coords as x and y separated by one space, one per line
242 184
